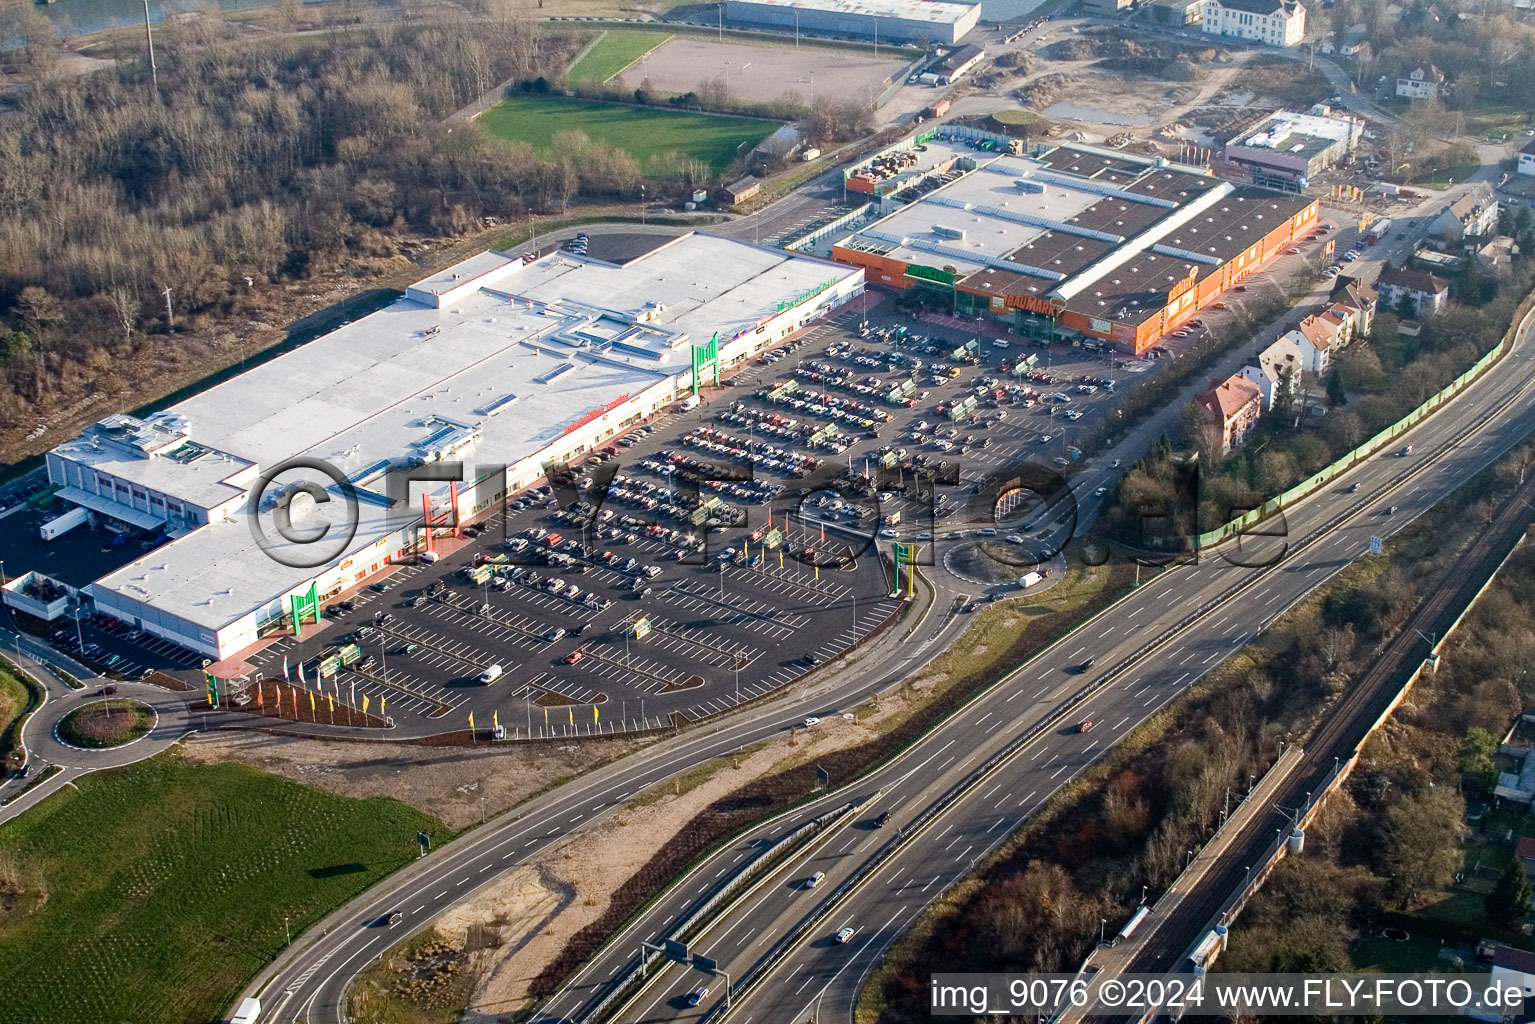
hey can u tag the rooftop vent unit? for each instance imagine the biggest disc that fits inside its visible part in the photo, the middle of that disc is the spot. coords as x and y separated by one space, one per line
943 231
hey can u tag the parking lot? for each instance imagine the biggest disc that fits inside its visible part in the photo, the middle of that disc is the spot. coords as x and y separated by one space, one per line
714 555
711 556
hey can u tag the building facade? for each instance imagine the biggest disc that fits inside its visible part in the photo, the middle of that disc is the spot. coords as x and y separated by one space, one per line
418 419
1402 290
1420 82
894 21
1286 150
1232 407
1077 244
1272 22
1277 370
1473 215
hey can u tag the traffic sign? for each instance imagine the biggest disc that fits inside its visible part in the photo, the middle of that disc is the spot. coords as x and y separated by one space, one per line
1375 545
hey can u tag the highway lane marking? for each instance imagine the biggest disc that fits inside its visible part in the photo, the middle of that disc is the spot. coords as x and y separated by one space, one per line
1105 633
1027 798
999 824
440 895
962 853
1059 770
1319 570
1212 657
1122 721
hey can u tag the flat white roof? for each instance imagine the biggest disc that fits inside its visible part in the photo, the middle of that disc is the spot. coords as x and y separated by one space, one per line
171 462
216 575
977 205
496 376
936 11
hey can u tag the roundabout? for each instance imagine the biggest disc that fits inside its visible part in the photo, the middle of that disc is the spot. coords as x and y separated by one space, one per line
105 724
1000 562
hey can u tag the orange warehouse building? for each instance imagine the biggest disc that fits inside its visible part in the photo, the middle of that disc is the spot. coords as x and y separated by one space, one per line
1079 243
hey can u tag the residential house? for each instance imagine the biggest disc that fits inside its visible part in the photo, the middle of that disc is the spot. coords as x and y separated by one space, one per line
1232 406
1319 338
1497 255
1510 968
1351 42
1275 22
1401 290
1527 159
1420 82
1473 215
1277 370
1358 297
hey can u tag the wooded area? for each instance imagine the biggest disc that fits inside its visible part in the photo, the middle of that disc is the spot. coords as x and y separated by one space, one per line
1131 820
254 167
1372 384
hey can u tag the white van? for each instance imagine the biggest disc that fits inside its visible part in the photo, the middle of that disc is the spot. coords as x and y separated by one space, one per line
490 675
689 403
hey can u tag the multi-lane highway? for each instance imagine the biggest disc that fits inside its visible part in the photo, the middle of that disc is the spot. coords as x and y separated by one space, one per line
308 982
1145 650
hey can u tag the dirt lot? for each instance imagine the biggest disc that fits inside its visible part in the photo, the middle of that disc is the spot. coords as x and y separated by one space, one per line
762 72
456 788
539 907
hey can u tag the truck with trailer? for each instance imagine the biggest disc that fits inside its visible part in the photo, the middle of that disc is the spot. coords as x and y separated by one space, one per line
60 525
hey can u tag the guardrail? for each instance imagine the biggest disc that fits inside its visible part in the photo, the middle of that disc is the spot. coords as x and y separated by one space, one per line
1346 462
770 855
849 885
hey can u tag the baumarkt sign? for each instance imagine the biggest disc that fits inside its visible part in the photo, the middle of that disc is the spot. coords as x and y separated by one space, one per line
933 274
807 295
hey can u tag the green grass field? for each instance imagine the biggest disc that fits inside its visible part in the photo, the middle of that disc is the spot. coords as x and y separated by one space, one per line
153 893
614 52
641 132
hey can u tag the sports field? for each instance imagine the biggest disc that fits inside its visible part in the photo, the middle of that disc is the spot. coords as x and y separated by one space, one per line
639 131
153 893
613 52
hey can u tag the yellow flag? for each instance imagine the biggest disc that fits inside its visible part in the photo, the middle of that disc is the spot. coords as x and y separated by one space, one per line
331 701
572 716
495 719
382 701
594 712
471 719
365 703
311 701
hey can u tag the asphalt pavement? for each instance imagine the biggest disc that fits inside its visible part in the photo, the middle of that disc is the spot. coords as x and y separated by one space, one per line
1146 650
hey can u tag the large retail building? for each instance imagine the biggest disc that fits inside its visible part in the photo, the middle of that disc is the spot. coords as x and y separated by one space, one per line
888 21
1076 243
501 363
